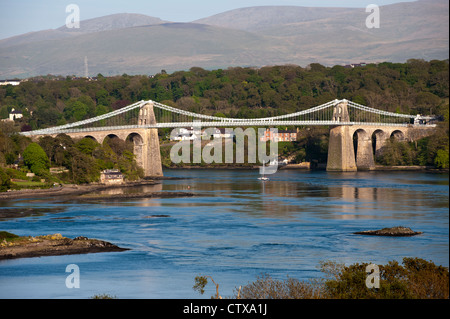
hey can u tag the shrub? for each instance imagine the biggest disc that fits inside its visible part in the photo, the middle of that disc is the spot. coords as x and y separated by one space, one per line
415 279
265 287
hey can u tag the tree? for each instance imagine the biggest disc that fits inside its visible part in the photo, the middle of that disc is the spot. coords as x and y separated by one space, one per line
416 279
84 168
442 159
36 159
5 181
87 146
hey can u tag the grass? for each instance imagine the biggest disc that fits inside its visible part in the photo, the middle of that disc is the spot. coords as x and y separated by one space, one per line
8 239
30 185
4 235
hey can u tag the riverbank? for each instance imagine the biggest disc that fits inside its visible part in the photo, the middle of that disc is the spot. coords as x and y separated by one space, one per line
91 191
13 246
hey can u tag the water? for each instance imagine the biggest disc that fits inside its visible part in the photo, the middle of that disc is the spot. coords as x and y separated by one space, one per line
238 228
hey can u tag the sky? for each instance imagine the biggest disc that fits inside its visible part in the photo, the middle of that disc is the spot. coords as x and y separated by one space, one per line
22 16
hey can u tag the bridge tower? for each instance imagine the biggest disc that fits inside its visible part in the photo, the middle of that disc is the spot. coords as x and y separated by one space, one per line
149 153
341 154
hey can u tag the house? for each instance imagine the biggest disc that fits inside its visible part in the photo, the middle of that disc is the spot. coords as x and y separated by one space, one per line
111 176
13 115
354 65
280 136
185 134
220 133
10 82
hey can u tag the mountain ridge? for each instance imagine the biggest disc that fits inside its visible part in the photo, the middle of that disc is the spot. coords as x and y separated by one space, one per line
135 43
104 23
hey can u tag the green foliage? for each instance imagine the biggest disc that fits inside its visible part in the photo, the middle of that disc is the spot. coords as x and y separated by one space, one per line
415 87
87 146
442 159
4 235
5 180
36 159
85 158
415 279
430 151
83 168
200 284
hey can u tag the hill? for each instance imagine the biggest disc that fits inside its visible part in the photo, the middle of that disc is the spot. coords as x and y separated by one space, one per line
106 23
256 36
257 19
139 50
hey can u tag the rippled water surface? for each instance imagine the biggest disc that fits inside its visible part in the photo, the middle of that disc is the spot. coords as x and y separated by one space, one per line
236 229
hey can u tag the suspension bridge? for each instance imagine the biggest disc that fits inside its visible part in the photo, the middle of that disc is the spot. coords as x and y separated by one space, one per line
140 121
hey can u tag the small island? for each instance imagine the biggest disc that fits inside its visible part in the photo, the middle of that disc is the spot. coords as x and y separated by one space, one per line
13 246
398 231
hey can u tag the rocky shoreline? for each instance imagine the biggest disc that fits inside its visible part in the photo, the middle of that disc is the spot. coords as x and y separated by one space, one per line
52 245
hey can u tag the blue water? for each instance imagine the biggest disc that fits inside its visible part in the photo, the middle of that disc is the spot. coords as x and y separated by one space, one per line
237 229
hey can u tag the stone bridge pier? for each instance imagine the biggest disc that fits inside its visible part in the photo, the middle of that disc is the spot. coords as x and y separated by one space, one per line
351 147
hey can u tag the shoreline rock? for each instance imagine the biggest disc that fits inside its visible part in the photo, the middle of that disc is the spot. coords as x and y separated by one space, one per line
398 231
53 245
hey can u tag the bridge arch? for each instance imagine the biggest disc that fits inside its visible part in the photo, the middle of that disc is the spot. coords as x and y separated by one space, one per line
138 147
398 135
110 136
362 143
379 138
90 137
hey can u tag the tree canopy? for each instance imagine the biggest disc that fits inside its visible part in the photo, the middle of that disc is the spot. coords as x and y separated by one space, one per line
36 159
414 87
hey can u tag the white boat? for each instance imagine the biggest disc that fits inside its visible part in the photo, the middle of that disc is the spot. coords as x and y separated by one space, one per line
263 177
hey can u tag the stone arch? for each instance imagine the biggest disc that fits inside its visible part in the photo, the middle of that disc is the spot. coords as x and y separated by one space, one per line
398 135
138 147
110 136
379 138
363 149
358 134
90 137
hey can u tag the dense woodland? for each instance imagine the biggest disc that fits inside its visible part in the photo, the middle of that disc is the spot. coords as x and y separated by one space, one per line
415 87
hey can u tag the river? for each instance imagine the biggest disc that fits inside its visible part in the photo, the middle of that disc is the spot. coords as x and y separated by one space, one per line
236 229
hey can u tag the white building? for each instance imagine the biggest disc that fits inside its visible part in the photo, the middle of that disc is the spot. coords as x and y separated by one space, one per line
14 115
223 133
184 134
12 82
111 176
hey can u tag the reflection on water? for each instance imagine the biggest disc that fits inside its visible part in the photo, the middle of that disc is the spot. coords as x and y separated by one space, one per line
132 190
235 228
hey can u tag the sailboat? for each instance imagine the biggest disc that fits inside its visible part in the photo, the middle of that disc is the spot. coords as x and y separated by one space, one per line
263 177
